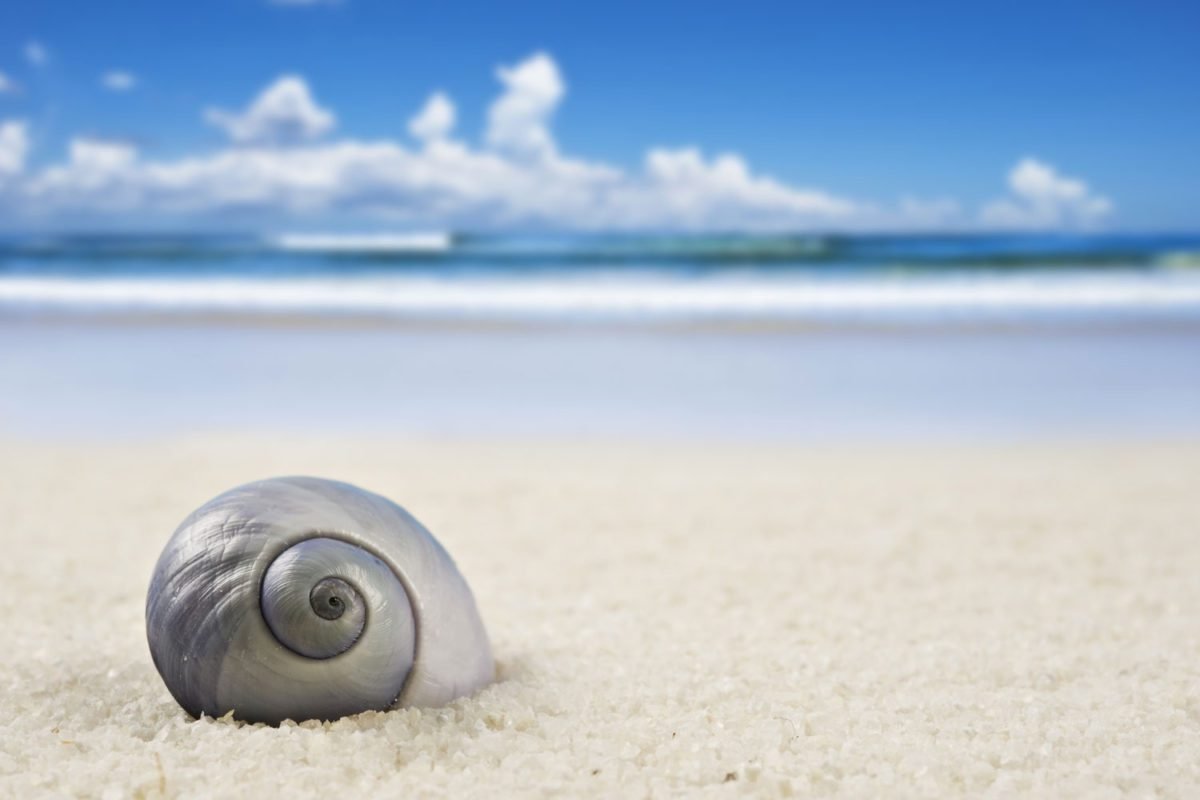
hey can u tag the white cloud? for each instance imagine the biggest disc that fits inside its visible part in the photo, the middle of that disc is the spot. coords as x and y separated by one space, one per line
36 53
8 85
435 120
284 112
118 80
518 177
519 120
93 164
1042 198
14 147
445 184
99 174
99 155
680 188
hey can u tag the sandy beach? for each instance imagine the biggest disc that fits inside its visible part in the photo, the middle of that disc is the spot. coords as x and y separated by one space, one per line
809 396
720 619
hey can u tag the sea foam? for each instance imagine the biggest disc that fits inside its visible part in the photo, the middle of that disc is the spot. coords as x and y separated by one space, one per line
616 296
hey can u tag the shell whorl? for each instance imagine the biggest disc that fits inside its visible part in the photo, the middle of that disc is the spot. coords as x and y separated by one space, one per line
313 605
302 598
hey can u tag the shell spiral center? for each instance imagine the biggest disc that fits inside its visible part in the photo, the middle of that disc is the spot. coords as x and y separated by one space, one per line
313 595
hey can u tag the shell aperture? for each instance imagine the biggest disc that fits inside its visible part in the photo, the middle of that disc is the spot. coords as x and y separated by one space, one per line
303 598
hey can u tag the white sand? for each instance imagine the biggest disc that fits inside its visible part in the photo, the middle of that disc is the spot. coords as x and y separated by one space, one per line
716 620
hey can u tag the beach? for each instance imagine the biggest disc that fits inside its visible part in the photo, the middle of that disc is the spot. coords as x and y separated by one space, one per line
718 618
136 377
599 400
796 529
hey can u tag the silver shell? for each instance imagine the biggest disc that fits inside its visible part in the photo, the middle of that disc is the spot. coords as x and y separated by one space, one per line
302 598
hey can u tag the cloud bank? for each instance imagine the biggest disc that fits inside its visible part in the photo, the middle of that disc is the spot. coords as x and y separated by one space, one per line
1042 198
280 162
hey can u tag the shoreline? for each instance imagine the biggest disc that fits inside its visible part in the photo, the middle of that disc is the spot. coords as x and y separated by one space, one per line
1132 324
127 377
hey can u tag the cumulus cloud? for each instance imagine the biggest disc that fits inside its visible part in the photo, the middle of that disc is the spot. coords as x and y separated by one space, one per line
99 155
284 112
98 174
8 85
277 167
518 177
118 80
444 184
1040 197
435 120
681 188
36 53
519 120
14 147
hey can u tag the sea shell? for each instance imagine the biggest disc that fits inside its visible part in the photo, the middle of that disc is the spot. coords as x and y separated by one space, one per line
302 598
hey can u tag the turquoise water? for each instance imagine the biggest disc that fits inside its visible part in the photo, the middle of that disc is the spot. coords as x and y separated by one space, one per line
606 277
299 253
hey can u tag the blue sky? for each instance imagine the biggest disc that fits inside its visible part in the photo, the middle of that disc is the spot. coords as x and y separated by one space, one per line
875 115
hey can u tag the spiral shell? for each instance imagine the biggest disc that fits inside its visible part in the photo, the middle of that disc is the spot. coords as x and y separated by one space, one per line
302 598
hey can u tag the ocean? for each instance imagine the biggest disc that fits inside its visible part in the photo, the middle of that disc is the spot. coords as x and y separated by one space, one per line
818 339
608 277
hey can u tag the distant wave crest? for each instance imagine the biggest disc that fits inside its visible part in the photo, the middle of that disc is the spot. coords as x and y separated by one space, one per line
614 296
364 244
